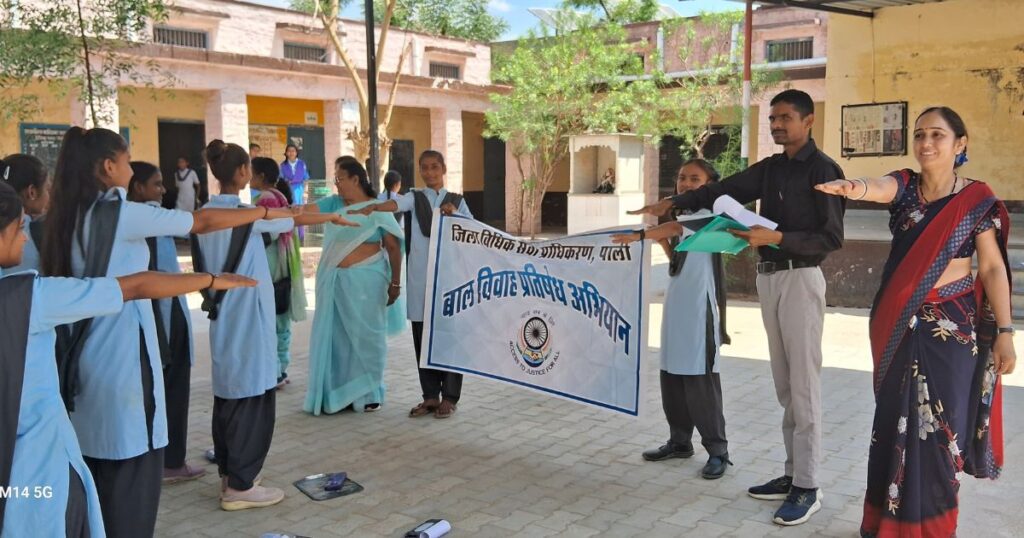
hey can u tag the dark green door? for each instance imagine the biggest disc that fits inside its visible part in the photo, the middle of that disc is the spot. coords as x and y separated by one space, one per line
310 141
403 161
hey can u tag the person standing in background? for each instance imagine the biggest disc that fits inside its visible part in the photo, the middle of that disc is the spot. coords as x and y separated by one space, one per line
187 182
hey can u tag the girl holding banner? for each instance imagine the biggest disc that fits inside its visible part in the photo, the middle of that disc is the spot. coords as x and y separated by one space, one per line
691 388
441 390
356 283
940 339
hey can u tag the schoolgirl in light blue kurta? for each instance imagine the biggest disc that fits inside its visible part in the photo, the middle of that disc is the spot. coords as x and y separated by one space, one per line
416 276
30 257
167 262
348 343
684 344
243 338
110 414
46 442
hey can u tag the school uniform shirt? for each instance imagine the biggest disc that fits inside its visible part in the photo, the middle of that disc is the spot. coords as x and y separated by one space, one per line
243 338
30 255
110 408
684 327
46 442
167 262
416 276
399 216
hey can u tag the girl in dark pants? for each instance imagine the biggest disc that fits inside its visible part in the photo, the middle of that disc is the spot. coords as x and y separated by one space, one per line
691 388
114 386
39 451
174 330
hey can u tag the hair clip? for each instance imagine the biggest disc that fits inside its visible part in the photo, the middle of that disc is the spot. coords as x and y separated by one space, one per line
7 172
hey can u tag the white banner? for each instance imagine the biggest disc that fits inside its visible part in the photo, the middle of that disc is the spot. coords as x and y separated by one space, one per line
563 316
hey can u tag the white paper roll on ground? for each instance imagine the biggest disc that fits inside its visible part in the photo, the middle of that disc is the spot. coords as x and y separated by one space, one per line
438 530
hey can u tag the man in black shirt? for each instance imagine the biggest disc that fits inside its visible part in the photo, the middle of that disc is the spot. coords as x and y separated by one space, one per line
790 285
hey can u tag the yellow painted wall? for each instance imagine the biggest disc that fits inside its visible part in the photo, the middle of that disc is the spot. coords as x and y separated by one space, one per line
560 178
278 111
472 152
142 109
55 110
965 54
410 124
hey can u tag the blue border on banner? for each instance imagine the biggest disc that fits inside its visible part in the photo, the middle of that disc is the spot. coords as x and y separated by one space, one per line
640 318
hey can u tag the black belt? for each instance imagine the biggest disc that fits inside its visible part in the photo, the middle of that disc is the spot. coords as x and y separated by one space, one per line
767 268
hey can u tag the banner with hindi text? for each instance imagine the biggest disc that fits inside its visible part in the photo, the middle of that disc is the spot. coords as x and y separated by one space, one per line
564 316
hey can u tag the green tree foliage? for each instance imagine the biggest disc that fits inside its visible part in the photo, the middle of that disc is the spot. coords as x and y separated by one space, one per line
617 11
585 77
465 19
564 84
73 46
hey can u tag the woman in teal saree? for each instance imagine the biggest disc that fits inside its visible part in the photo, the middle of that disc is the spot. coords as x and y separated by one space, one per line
357 282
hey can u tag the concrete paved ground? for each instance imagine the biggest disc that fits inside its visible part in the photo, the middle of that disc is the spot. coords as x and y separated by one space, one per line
515 463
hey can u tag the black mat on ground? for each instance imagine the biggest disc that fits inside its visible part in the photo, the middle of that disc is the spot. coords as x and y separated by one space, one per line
313 487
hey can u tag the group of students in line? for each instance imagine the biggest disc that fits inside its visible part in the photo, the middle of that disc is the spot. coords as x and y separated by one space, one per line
940 337
97 410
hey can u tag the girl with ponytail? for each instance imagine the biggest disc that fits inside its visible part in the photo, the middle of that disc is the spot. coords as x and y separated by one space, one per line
38 444
111 368
243 335
285 260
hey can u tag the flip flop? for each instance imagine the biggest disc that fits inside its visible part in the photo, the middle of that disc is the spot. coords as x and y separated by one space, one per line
423 409
441 414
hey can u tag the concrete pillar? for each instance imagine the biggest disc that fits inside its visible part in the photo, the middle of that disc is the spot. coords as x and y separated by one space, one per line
340 117
107 112
227 119
446 137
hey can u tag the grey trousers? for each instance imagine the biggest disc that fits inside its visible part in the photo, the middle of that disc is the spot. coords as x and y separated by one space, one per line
793 310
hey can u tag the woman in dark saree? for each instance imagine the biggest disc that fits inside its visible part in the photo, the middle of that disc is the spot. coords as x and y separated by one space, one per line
940 338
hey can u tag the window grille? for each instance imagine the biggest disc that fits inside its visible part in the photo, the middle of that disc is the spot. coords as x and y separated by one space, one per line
444 70
305 53
180 37
789 49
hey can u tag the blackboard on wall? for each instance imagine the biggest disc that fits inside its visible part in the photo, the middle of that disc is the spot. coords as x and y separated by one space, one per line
43 141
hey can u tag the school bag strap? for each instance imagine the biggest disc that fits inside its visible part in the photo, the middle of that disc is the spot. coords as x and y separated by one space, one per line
161 331
676 259
239 237
15 311
71 338
425 213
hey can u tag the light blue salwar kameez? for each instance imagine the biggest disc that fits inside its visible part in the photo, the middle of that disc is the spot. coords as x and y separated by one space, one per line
46 445
348 345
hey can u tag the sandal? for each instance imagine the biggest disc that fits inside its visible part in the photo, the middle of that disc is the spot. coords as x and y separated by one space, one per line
424 408
445 410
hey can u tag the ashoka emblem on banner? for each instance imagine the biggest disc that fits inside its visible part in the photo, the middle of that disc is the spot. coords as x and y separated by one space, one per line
534 345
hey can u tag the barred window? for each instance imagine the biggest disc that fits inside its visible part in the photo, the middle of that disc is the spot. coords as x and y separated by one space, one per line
181 37
306 53
442 70
789 49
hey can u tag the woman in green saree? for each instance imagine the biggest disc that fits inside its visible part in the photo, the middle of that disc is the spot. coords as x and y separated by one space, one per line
358 279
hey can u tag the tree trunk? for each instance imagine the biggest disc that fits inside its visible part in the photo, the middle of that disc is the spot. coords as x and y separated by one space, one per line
89 90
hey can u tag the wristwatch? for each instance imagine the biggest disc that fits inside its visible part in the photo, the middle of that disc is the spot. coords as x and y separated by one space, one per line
1009 329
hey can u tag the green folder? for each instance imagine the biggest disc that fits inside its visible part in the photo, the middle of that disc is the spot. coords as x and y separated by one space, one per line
712 235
